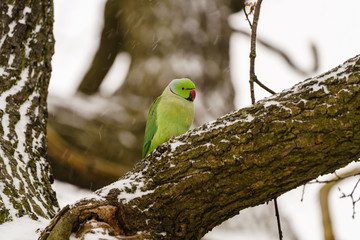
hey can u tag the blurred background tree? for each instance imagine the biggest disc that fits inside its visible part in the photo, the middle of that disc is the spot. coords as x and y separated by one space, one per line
165 40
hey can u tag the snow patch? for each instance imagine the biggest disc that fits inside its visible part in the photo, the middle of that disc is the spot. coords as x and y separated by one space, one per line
249 118
11 59
95 234
271 103
276 103
20 127
10 7
11 28
25 11
2 70
176 144
131 187
207 145
317 87
23 228
27 52
37 28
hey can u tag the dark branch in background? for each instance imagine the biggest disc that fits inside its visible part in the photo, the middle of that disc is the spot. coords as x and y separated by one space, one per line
285 56
253 78
84 164
111 43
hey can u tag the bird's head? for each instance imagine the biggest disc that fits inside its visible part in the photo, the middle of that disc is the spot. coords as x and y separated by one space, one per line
184 88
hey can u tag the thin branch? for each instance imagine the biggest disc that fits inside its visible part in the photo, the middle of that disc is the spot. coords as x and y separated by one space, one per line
336 179
263 86
247 17
351 196
303 192
278 218
253 49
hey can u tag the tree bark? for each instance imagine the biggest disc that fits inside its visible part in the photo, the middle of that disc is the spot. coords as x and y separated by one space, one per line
194 182
26 49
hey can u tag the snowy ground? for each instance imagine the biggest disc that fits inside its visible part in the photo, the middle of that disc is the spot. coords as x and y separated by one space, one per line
290 25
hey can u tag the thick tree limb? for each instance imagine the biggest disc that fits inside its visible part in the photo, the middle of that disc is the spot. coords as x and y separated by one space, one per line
243 159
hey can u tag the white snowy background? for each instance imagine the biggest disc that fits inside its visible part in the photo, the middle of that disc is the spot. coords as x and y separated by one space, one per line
290 25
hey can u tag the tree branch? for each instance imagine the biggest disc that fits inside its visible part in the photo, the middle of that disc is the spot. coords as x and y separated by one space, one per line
263 86
198 180
253 49
65 155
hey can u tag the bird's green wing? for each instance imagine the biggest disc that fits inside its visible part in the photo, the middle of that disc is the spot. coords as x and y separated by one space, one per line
151 127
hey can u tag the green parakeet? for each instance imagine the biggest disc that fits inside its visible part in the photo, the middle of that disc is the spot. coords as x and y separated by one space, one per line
171 114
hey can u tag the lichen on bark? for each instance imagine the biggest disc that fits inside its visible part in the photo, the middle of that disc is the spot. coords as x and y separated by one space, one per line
26 49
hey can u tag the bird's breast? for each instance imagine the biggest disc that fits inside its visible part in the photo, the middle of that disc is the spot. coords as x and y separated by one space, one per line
176 115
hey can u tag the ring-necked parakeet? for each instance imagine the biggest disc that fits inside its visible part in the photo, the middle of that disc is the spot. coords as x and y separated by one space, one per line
171 114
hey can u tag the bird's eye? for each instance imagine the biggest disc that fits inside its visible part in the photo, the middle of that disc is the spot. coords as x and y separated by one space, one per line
182 88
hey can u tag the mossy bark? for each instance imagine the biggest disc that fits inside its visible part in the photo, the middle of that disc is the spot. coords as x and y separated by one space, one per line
243 159
26 49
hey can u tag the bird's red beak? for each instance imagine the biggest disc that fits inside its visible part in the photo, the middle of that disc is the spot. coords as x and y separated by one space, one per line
192 95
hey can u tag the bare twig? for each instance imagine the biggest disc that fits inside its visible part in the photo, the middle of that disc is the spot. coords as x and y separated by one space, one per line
253 49
336 179
351 196
247 17
278 218
303 193
263 86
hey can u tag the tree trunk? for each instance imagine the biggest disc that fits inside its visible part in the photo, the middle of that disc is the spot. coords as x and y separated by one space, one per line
198 180
26 49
